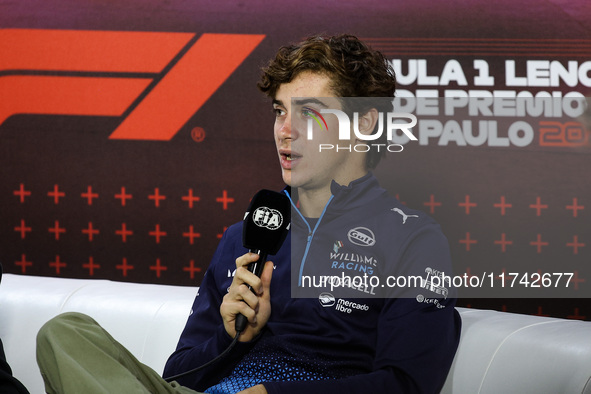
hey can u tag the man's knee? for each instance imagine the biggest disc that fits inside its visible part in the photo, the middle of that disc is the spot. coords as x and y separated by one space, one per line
61 324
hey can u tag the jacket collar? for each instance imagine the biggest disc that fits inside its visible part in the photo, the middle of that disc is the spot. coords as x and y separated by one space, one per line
357 194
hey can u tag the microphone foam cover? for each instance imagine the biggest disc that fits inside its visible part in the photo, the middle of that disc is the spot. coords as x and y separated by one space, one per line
266 222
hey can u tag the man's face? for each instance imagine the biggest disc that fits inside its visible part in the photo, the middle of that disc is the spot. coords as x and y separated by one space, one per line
302 165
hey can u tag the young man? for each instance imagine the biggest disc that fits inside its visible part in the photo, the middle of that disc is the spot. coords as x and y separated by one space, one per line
302 339
328 343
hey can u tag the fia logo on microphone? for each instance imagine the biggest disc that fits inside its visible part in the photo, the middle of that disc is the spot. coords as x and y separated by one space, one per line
267 218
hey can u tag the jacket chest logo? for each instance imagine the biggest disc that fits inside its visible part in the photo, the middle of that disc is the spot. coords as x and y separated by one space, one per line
361 236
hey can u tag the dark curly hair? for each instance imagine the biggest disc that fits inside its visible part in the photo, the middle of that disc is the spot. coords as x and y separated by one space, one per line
354 68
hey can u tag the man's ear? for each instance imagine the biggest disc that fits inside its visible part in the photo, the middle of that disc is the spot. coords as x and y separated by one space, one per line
368 121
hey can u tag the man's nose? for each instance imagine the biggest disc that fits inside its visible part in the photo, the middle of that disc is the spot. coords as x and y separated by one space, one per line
287 130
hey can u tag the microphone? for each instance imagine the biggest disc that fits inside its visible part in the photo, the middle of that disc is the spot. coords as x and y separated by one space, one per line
264 228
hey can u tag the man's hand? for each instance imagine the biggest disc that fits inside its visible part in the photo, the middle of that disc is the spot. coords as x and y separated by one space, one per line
240 299
258 389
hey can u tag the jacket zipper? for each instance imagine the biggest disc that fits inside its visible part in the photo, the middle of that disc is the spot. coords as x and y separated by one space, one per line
310 233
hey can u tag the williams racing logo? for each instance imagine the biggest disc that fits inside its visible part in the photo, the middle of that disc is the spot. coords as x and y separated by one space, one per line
344 260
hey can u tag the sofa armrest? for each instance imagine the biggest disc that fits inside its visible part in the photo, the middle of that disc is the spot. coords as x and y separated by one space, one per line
502 352
146 319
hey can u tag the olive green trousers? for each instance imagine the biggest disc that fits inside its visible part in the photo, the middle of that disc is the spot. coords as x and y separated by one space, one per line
76 355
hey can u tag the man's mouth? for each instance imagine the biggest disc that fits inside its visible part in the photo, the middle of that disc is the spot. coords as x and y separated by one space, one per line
288 158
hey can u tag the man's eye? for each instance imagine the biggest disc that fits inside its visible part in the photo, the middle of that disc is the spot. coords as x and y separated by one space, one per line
307 111
278 112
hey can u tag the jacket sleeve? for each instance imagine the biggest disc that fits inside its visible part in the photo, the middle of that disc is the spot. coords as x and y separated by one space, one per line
416 340
204 336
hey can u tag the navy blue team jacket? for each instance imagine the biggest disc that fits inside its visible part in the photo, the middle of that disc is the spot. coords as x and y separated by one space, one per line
352 339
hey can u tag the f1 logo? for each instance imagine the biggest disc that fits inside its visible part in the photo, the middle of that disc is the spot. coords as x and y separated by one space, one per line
155 81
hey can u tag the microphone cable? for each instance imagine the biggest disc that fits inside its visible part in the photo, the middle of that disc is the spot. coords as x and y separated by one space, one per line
207 364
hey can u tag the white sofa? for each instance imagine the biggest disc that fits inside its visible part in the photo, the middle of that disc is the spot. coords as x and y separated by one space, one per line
499 352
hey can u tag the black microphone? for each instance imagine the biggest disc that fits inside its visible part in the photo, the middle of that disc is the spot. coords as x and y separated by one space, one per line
264 228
